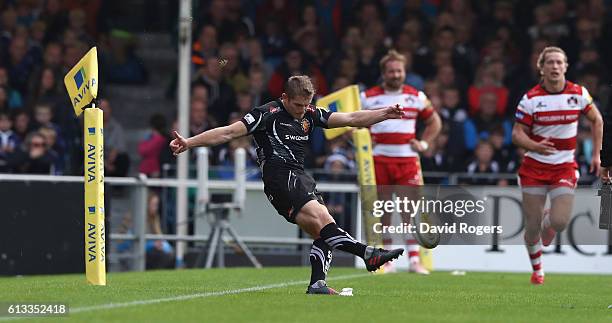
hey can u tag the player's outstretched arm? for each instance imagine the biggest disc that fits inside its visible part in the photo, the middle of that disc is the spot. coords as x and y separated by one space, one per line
364 118
207 138
594 116
521 138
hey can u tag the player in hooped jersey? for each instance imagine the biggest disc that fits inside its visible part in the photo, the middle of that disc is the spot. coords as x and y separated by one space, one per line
546 127
281 130
396 148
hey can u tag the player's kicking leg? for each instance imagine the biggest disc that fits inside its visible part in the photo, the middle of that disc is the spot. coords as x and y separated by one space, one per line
316 221
534 199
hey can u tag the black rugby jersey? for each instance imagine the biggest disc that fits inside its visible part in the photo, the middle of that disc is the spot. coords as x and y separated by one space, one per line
281 139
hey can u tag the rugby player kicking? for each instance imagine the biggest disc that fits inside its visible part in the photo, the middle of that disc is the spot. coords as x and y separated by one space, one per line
281 130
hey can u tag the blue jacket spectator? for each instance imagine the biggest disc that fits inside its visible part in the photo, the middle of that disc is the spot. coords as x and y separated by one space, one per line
481 126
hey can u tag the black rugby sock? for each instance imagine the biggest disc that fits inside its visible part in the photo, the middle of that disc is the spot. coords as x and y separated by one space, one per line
320 260
337 238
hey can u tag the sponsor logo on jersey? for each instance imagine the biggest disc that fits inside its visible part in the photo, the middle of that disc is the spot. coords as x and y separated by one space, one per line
541 105
273 109
249 118
296 138
553 118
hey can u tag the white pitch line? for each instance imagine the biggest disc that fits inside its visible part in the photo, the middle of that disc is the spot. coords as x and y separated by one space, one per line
190 296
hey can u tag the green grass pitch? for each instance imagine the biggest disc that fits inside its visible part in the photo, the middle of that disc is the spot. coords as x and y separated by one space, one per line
277 295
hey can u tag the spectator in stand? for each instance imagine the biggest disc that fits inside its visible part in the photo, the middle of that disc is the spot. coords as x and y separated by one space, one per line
116 158
120 64
20 64
503 152
160 253
489 79
542 23
10 98
57 161
445 41
253 58
587 57
433 92
257 87
150 148
34 157
368 72
22 125
412 78
351 42
273 41
36 35
43 117
221 96
245 103
348 69
453 116
313 53
205 47
437 158
9 142
4 103
93 13
481 126
200 120
46 89
587 34
52 58
199 92
76 23
591 79
447 77
294 64
340 82
72 54
483 163
55 19
284 10
232 70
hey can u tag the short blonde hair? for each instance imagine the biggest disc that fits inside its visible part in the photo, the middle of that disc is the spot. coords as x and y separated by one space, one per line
299 86
392 55
548 50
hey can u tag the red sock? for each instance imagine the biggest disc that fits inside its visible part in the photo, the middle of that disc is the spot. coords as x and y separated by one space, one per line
413 251
535 256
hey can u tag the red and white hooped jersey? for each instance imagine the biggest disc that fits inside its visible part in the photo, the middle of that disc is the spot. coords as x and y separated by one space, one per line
392 137
554 116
